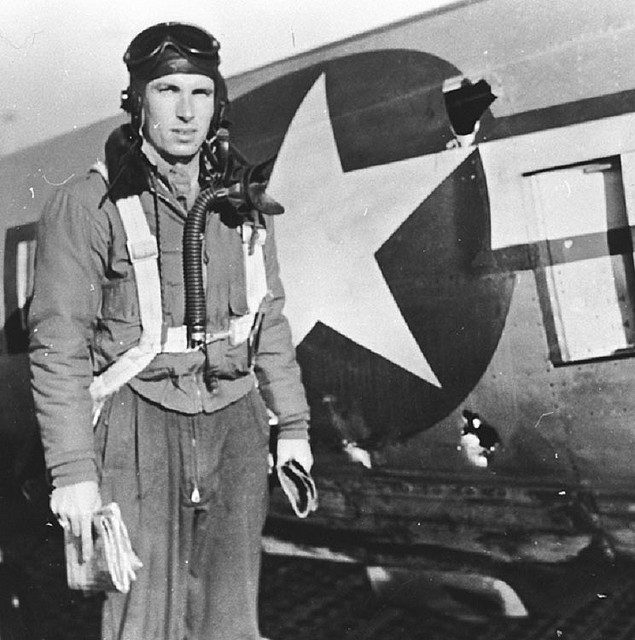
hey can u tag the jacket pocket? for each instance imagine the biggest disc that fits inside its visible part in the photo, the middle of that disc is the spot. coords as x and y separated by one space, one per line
119 300
260 412
226 361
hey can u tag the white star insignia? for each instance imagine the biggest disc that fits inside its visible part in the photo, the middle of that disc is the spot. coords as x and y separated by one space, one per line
333 225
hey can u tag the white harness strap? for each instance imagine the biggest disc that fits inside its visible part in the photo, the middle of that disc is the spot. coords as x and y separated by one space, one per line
255 275
255 283
143 252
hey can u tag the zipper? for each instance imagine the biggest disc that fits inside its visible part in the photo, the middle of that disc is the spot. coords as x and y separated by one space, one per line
199 395
195 496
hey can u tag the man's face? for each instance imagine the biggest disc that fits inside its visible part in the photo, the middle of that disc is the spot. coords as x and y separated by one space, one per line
177 111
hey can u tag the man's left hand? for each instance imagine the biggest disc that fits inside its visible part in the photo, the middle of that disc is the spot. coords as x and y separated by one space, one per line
298 449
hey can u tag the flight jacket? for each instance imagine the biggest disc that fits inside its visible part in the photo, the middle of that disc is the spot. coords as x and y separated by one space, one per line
84 314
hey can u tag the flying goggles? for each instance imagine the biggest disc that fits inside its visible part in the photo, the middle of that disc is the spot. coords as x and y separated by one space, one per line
190 41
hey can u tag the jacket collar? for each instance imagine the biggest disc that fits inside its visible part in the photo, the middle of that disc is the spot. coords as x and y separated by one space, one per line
130 170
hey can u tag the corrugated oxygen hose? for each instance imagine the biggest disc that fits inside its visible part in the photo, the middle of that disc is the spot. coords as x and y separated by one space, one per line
242 193
193 266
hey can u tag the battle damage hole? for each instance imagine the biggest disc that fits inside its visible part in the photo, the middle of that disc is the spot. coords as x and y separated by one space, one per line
465 103
479 439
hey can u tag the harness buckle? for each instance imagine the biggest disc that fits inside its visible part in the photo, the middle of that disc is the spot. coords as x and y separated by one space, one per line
146 249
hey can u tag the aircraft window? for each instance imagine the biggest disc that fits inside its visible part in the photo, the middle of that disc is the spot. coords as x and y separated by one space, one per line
19 258
587 284
25 258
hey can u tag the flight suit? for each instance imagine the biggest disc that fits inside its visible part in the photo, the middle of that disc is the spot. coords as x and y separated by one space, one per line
186 462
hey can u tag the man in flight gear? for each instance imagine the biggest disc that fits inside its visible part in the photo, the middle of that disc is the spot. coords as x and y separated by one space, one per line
155 360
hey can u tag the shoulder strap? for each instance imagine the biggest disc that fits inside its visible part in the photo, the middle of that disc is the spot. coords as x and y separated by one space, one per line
255 282
255 272
143 253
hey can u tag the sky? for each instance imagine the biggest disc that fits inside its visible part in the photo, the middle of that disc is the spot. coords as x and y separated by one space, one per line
61 60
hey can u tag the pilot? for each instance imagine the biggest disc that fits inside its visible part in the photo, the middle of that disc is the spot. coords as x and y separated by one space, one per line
153 392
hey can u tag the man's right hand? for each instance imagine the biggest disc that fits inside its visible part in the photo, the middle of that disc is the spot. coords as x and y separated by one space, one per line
74 506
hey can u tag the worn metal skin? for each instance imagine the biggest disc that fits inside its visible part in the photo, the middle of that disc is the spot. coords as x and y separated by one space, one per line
508 522
419 268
